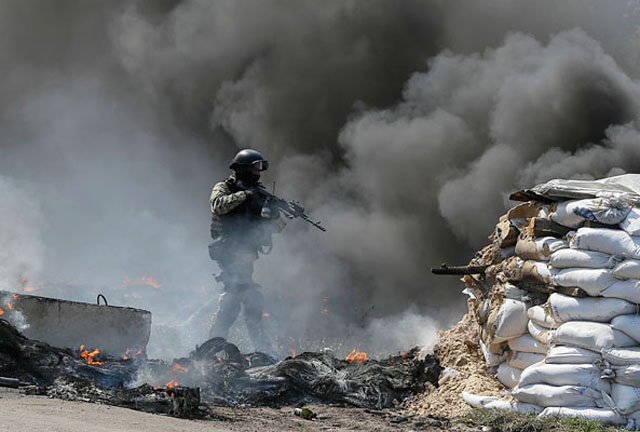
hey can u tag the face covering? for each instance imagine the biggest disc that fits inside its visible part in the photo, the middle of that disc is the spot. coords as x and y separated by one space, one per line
248 178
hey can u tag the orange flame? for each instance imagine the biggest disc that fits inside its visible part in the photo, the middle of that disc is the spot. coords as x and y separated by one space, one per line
357 356
219 359
324 311
126 354
1 311
266 315
404 353
15 297
88 356
172 384
144 280
293 353
177 367
9 305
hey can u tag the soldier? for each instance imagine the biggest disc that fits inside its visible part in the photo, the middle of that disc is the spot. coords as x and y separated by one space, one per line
241 226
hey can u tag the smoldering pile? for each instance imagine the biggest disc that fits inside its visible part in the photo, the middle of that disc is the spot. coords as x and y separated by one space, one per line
555 297
214 373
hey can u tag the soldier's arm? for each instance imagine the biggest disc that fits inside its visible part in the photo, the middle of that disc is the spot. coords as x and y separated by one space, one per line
222 201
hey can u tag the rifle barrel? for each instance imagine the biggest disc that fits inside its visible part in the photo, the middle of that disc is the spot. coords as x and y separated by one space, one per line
459 270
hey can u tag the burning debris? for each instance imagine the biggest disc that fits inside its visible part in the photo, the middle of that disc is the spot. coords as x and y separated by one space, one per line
215 373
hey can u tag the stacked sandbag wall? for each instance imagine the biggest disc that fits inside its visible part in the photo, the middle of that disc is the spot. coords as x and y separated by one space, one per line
558 308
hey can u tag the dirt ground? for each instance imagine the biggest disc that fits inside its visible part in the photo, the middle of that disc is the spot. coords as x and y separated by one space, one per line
22 413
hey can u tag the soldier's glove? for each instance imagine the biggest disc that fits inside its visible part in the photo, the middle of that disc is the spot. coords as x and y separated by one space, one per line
249 195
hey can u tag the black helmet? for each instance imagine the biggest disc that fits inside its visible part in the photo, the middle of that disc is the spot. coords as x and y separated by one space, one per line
249 160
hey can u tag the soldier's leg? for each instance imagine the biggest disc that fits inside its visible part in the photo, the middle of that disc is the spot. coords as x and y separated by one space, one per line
228 310
253 303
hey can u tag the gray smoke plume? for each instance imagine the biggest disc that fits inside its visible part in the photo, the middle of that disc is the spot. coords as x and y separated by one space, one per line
402 125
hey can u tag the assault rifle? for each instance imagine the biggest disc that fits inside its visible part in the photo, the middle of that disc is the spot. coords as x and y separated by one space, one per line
291 209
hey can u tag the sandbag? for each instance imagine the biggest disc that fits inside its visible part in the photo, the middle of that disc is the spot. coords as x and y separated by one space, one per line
492 402
627 290
606 211
590 335
566 308
513 292
539 333
626 398
536 272
627 374
622 356
631 224
593 281
539 316
610 241
526 343
575 258
554 396
491 359
511 320
605 416
630 324
508 375
571 355
628 269
584 375
522 360
539 249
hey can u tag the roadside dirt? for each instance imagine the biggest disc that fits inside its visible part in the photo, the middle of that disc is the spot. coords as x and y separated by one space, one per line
21 413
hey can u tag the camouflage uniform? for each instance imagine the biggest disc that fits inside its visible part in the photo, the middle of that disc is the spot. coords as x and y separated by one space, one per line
239 232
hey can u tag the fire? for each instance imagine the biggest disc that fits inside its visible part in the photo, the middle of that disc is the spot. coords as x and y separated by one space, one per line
172 384
404 353
1 311
15 297
9 305
219 359
135 354
324 311
177 367
88 356
293 353
357 356
266 315
144 280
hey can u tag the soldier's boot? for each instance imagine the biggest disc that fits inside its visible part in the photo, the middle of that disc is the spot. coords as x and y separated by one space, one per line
253 303
228 310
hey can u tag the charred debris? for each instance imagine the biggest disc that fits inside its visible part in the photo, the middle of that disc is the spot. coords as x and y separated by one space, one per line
215 373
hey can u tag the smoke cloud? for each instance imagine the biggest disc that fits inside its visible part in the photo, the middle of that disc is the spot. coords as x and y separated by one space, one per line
402 125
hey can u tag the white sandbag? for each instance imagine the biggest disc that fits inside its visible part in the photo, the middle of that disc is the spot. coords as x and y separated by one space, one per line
575 258
622 356
585 375
526 343
627 374
491 359
522 360
631 224
514 406
607 211
630 324
539 316
593 281
605 416
590 335
566 308
626 398
477 401
508 375
628 269
554 396
610 241
539 333
511 320
513 292
492 402
571 355
627 290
